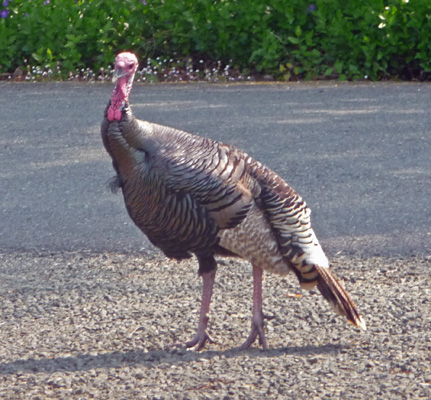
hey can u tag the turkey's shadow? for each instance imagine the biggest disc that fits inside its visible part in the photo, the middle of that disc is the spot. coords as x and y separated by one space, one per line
150 359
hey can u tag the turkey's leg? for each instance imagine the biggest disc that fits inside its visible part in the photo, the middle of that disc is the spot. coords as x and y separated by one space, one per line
202 335
257 325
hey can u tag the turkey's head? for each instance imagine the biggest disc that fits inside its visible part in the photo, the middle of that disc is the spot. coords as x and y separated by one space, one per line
125 68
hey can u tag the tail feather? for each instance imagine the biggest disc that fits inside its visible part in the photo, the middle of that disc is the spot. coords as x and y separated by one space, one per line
337 297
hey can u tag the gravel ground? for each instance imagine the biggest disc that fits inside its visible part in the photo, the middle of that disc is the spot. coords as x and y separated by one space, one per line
84 325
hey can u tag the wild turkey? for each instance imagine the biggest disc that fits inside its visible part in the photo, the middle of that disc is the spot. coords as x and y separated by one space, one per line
192 195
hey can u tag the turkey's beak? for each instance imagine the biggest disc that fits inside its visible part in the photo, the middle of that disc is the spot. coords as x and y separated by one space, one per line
118 73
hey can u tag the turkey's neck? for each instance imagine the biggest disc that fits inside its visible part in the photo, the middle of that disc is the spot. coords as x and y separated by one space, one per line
119 97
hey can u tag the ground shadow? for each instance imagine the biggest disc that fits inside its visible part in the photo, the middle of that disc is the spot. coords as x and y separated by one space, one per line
150 358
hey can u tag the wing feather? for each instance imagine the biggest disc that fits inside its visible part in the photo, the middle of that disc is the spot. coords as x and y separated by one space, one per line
212 173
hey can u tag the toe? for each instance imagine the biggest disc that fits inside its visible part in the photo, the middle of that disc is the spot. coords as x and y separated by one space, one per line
199 340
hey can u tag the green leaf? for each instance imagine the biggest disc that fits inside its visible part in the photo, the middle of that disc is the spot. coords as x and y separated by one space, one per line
315 53
329 71
338 66
293 39
37 57
286 76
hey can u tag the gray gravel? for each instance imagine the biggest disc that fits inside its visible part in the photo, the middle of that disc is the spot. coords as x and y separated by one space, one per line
84 325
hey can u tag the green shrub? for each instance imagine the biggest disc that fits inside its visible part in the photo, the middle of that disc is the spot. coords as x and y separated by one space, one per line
77 34
290 39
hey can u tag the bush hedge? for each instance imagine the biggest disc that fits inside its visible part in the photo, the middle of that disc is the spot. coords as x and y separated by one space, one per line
291 39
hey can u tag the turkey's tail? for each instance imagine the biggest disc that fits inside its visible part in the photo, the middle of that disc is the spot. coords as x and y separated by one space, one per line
337 297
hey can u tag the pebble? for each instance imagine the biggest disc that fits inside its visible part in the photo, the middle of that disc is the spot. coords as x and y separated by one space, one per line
79 326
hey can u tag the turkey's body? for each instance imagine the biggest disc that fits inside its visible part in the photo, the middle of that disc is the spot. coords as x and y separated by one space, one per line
193 195
190 194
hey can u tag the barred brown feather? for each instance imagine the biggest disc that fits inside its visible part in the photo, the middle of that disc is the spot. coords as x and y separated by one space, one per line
337 297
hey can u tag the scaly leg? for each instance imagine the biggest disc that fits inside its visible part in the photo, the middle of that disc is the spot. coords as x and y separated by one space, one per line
257 326
202 335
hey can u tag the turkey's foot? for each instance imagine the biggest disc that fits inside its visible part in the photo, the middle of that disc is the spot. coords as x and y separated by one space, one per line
257 330
202 336
199 340
257 320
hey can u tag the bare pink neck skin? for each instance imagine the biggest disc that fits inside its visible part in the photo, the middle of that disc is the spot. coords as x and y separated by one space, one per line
119 96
